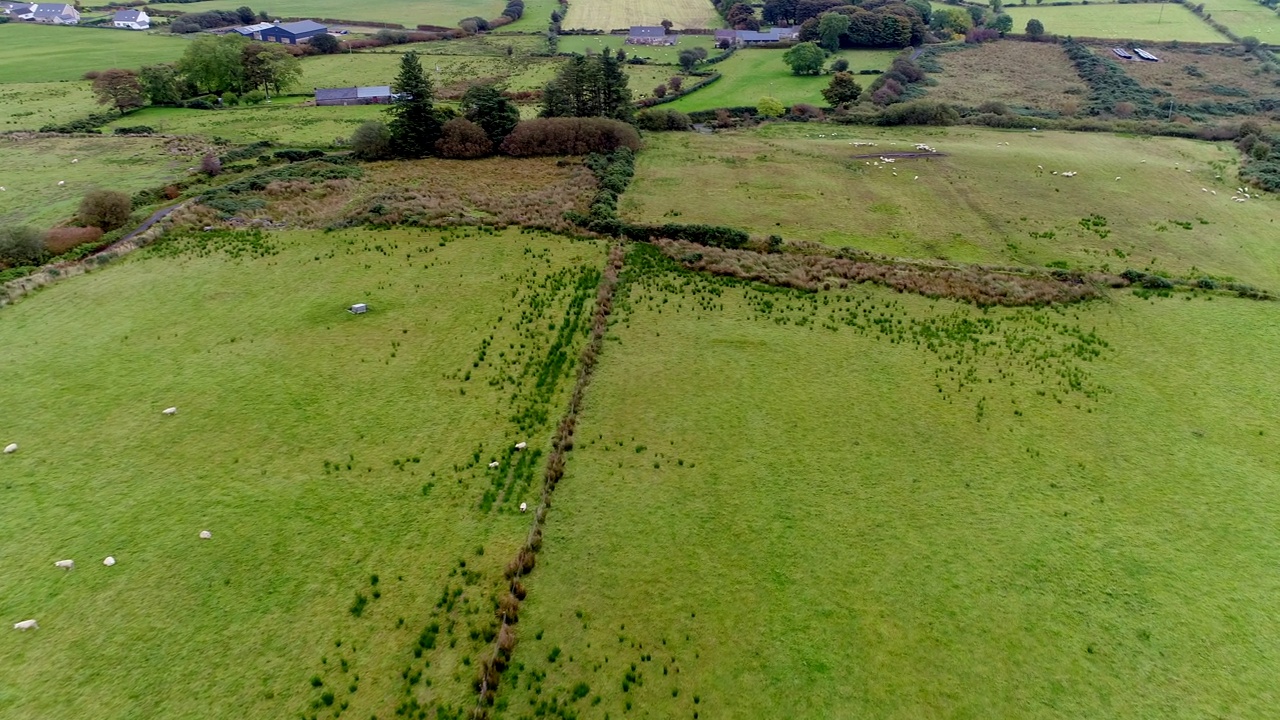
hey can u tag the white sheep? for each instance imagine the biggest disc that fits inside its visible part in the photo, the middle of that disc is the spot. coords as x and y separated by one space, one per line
10 448
109 561
524 506
26 625
169 411
493 464
1117 177
75 160
521 445
917 177
66 564
1 189
61 183
205 535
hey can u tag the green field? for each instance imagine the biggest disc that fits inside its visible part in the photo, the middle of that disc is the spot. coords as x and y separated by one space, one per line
318 447
287 123
30 106
611 15
755 73
984 202
1246 17
1154 21
31 53
659 54
32 169
516 72
409 13
767 517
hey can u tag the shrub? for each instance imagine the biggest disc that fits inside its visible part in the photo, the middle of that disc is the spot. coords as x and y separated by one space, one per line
461 138
658 119
804 111
840 65
920 112
371 141
106 209
134 130
21 245
60 240
770 107
211 165
1035 28
198 104
569 136
254 97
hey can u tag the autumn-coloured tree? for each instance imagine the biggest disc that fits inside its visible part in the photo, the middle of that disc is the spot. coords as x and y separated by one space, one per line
119 88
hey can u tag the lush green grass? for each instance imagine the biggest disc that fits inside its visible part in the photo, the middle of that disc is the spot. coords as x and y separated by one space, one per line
409 13
536 18
1246 17
609 15
31 169
1154 21
516 71
287 123
984 202
660 54
768 518
754 73
276 387
31 53
30 106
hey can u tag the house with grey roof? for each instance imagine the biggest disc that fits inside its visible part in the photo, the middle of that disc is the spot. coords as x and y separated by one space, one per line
55 14
373 95
131 20
740 38
18 10
650 35
293 33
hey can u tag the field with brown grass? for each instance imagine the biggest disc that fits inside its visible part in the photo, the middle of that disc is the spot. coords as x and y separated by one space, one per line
1002 71
1193 74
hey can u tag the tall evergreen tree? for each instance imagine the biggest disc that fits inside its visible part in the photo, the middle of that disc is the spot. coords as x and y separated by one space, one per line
485 106
414 125
589 87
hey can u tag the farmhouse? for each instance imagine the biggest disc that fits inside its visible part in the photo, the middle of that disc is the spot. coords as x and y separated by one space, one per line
131 20
55 14
293 33
725 38
376 95
650 35
18 10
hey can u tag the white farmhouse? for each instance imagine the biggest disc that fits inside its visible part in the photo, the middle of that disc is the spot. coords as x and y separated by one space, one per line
131 20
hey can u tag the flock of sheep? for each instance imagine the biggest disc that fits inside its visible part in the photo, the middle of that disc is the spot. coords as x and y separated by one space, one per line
60 182
109 561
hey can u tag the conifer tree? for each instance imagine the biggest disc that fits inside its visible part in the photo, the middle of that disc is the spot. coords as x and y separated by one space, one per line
414 126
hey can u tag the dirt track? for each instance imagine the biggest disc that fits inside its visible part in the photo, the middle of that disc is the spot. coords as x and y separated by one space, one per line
900 155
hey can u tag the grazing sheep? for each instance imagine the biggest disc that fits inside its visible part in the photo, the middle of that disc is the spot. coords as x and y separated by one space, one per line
1117 178
26 625
205 535
61 183
521 445
66 564
75 160
109 561
493 464
524 506
1 189
916 177
169 411
10 448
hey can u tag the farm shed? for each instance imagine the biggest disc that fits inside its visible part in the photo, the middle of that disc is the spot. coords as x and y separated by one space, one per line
131 20
375 95
293 33
725 38
650 35
252 31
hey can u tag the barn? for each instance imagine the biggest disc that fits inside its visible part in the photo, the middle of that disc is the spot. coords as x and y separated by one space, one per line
293 33
375 95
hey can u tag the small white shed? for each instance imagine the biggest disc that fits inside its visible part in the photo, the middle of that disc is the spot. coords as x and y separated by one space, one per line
358 309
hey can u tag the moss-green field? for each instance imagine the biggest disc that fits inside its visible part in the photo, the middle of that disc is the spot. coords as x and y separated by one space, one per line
1246 17
861 504
409 13
318 447
30 106
33 167
31 53
1150 21
985 201
754 73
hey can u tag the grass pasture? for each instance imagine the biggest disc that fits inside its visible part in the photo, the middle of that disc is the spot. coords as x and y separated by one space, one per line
409 13
773 513
447 72
1152 22
320 448
31 53
30 106
1246 17
984 202
583 44
32 168
998 71
288 123
755 73
609 15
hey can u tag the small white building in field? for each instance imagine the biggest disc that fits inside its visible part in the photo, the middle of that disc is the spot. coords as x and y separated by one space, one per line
131 20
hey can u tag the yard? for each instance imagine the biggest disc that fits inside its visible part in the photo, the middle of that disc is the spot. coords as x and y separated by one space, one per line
985 201
619 15
754 73
333 457
1150 21
31 53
